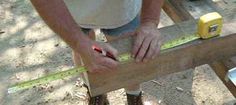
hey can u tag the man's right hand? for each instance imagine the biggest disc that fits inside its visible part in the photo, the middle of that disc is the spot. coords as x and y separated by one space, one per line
59 19
93 60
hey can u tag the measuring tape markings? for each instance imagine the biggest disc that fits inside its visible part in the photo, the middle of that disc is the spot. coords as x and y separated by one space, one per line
74 71
213 22
45 79
179 41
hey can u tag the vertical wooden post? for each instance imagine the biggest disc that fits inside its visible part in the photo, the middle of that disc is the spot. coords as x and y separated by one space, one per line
221 68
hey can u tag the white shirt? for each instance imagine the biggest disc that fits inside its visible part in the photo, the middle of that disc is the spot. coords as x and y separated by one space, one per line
105 14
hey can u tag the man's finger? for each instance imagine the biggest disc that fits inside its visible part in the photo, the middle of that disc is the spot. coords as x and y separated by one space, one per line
157 51
151 50
107 62
138 42
103 69
143 50
111 50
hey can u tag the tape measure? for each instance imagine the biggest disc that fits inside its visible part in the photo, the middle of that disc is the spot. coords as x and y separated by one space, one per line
209 25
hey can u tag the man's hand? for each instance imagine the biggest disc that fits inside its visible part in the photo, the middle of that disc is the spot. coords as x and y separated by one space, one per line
95 61
148 42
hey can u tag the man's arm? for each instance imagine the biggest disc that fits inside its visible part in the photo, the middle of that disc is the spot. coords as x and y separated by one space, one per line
148 40
56 15
151 10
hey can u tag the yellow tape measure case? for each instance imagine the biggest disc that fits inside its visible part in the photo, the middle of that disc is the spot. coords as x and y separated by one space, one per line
210 25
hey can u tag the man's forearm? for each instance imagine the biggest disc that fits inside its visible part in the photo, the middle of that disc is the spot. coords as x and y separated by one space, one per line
59 19
151 10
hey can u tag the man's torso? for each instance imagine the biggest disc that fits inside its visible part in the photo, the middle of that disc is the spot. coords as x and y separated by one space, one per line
104 14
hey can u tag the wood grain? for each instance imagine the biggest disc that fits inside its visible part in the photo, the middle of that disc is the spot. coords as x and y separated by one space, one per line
180 9
171 12
170 61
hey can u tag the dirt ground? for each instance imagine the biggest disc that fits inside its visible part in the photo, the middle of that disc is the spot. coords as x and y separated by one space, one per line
29 49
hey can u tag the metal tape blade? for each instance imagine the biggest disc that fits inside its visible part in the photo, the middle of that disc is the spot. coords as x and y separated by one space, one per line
179 41
45 79
122 58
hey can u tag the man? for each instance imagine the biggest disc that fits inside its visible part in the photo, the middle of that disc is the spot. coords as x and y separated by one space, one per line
74 21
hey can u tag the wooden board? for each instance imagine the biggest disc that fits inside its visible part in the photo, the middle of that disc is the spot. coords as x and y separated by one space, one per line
221 68
180 10
222 6
171 12
200 7
227 8
197 8
174 60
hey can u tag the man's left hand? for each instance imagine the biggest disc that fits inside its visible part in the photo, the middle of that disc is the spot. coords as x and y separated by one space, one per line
148 42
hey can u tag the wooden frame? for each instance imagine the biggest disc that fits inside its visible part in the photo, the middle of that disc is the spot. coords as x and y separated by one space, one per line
221 69
170 61
174 60
176 11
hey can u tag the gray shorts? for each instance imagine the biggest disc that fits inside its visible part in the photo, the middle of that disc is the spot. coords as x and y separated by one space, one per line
129 27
